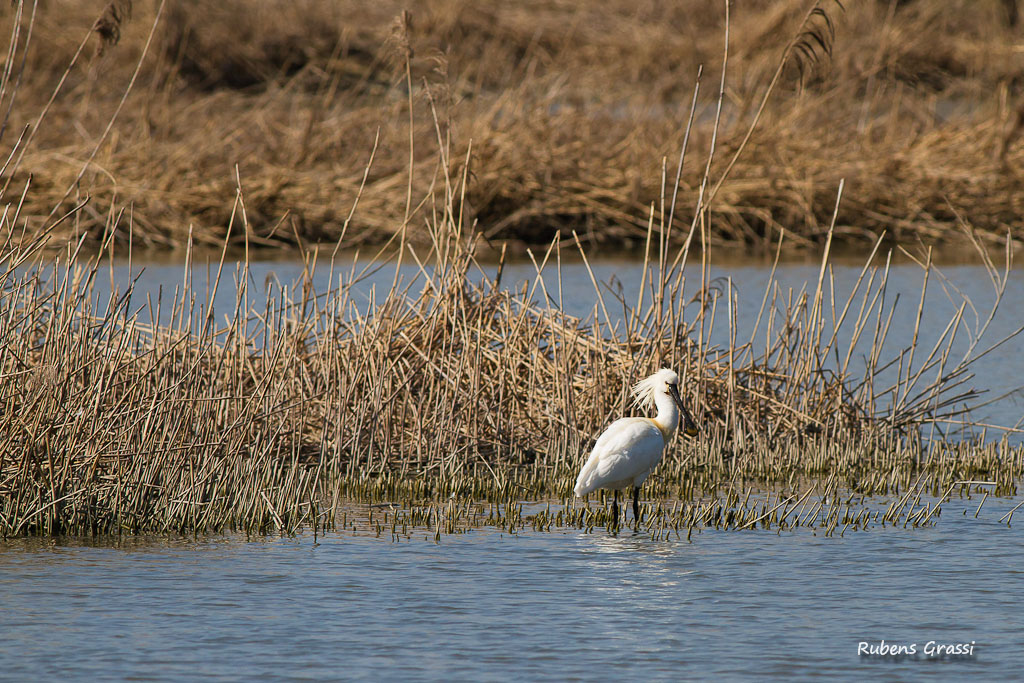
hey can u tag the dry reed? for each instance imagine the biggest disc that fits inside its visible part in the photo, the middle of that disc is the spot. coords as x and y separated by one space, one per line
450 389
444 386
568 109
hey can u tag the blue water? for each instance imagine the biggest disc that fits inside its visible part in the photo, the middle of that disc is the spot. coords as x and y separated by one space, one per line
751 605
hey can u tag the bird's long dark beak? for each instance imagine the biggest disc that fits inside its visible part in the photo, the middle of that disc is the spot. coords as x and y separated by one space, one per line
689 426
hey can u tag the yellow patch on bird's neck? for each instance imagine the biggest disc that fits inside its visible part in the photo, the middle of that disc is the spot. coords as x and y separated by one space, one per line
666 433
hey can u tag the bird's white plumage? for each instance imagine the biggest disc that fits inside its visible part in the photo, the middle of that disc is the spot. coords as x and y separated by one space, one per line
624 455
631 447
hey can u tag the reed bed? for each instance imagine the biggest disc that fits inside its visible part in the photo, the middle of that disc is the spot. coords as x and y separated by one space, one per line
566 109
122 415
450 389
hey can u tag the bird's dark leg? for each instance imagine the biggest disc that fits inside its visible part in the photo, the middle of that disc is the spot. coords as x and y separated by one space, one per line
636 504
615 509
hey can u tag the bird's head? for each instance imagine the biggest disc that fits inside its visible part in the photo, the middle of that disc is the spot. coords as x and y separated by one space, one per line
664 381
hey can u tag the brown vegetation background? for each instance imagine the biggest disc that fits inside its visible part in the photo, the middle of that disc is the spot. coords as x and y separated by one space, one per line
566 112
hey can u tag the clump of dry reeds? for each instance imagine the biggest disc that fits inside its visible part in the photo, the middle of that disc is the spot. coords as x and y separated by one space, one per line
114 420
567 108
447 384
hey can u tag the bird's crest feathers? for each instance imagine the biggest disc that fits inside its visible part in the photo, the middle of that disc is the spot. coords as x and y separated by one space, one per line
646 389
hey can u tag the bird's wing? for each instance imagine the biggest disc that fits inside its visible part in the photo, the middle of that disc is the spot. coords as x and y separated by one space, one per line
627 448
633 448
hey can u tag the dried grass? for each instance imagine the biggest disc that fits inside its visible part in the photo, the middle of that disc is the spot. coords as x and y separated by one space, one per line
568 108
447 384
111 421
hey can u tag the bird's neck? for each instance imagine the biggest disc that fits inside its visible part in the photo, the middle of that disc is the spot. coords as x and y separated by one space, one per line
667 418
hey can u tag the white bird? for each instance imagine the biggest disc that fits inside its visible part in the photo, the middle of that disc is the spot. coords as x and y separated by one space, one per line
631 447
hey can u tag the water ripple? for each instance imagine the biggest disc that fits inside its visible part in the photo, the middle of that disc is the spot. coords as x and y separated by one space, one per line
484 606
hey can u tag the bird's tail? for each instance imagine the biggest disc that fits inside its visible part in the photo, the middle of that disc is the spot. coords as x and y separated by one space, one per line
584 482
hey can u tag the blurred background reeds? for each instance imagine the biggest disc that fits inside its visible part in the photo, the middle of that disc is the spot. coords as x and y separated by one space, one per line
565 112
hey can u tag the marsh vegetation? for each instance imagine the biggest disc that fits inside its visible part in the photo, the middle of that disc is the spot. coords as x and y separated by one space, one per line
450 398
448 387
562 113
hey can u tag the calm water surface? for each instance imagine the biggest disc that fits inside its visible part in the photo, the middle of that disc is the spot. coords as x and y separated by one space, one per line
749 605
486 606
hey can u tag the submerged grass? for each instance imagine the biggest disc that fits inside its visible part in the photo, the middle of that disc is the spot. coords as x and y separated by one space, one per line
819 506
